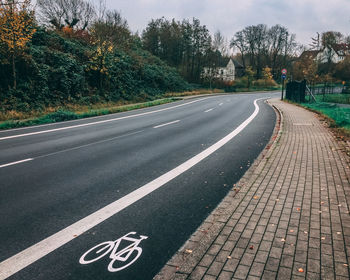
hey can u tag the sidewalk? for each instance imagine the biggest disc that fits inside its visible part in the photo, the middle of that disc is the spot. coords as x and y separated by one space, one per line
287 218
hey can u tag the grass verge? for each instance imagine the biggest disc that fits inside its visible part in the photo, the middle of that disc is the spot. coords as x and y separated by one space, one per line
338 117
334 98
80 113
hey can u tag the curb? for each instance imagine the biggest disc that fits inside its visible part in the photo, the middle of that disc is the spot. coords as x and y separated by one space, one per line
192 252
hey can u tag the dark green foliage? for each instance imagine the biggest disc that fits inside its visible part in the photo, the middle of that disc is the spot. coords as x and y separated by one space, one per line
57 70
184 45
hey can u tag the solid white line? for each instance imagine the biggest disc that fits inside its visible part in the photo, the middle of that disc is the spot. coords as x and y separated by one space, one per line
99 122
21 260
165 124
16 162
208 110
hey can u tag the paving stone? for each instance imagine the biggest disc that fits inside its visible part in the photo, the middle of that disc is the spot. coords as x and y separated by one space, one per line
272 264
197 273
225 275
215 268
284 273
241 272
298 228
257 269
231 265
314 266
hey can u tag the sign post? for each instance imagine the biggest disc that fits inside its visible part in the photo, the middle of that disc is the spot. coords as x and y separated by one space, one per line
284 75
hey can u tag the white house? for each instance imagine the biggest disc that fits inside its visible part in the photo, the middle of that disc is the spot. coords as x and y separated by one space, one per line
226 74
336 53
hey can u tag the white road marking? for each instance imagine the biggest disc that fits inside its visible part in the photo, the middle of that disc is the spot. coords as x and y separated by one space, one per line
165 124
16 162
209 110
221 104
37 251
99 122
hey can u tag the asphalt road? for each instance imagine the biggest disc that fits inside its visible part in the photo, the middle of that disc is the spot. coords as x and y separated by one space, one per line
55 179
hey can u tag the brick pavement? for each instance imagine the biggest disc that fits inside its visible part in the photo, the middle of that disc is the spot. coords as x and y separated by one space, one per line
287 218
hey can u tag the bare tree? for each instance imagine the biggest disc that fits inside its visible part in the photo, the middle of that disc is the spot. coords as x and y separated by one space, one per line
220 43
72 13
239 42
277 36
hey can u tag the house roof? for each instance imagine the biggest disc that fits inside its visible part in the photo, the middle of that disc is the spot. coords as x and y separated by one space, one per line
224 61
309 54
341 49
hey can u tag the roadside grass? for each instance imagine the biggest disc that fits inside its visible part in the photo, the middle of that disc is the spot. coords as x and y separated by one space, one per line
72 112
254 89
339 117
333 98
214 91
194 92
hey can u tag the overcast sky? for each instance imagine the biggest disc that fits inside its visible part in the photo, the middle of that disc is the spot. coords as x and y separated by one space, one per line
302 17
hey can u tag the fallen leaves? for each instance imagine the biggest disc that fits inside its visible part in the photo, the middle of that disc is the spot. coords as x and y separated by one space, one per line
251 247
188 251
301 270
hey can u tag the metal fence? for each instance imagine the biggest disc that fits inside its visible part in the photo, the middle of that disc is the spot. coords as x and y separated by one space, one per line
295 91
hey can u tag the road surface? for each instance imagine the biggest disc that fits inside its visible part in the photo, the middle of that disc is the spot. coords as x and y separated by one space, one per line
154 174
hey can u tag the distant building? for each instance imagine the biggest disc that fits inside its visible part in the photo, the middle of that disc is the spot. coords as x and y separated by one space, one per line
226 72
336 54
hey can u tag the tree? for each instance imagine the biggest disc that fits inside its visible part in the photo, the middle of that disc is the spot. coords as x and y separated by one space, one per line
72 13
17 27
259 45
306 68
183 45
277 36
220 43
107 34
239 42
342 70
250 74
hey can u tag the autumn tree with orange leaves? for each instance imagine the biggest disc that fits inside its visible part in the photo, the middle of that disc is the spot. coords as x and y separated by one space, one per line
17 26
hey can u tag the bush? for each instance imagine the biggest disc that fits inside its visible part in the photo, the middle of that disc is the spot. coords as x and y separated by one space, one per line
57 71
261 83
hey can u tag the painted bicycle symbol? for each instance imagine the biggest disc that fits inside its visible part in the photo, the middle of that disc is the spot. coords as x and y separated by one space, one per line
121 258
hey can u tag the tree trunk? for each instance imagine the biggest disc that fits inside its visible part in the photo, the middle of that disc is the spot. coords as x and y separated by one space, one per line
14 76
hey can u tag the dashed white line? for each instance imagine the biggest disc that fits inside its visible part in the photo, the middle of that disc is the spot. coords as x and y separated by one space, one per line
209 110
221 104
37 251
99 122
165 124
16 162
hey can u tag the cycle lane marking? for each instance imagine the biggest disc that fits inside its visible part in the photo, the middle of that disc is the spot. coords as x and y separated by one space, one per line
37 251
99 122
115 255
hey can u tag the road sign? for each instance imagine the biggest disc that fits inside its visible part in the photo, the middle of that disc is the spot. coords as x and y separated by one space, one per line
284 71
284 76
